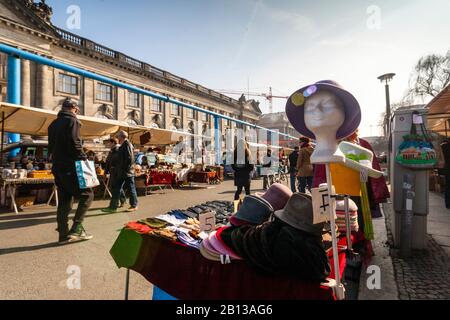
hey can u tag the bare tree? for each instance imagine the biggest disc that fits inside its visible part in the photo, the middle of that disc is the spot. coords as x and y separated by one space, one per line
431 76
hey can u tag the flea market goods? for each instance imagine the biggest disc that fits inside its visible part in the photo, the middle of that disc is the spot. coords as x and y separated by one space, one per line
254 210
277 195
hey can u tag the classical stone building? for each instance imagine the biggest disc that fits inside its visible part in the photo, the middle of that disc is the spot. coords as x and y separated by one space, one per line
27 25
279 121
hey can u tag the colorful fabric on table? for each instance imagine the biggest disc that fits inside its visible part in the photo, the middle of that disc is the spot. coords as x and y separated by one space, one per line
188 239
171 219
138 227
165 233
154 223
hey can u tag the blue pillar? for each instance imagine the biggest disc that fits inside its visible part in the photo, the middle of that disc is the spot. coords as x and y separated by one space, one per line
217 140
14 83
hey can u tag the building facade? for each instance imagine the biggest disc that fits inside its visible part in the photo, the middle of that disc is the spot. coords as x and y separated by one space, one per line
279 121
27 25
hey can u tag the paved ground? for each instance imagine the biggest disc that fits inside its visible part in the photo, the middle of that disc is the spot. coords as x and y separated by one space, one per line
426 274
33 266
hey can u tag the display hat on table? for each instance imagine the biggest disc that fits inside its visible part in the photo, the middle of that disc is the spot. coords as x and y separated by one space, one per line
208 251
348 148
277 195
340 205
295 108
298 213
254 210
220 246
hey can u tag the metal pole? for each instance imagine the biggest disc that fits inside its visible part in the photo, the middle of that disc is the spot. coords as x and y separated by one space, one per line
340 292
407 216
347 223
217 141
388 110
3 138
127 284
14 95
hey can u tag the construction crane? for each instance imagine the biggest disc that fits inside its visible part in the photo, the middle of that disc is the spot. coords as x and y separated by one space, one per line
268 96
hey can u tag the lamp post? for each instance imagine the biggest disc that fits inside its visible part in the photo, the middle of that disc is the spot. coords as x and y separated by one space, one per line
386 78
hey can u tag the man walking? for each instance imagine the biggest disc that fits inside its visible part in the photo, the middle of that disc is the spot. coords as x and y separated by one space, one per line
111 167
124 176
293 157
65 147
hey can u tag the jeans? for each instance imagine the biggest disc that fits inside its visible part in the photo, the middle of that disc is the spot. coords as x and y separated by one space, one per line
293 177
122 197
267 181
239 191
117 191
305 182
67 183
447 191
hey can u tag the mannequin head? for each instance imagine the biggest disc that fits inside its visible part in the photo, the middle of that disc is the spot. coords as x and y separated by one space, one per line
324 115
324 112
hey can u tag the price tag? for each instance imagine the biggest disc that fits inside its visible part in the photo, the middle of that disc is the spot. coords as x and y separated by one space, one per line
207 221
321 204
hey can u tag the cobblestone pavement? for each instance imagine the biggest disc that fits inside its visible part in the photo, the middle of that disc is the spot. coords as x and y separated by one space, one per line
425 275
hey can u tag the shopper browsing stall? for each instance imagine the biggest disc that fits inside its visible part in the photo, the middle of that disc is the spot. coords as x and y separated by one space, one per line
112 162
65 147
243 168
125 175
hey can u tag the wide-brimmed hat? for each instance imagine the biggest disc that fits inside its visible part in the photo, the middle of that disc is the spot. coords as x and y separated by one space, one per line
365 156
277 195
298 213
295 108
208 251
254 210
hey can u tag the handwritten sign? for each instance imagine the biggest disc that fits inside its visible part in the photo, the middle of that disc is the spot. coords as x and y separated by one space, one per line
207 221
321 204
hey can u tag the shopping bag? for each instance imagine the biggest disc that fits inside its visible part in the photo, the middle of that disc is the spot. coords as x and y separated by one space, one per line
416 151
87 177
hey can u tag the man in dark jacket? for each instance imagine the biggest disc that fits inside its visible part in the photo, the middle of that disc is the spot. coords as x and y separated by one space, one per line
65 147
111 167
124 176
293 157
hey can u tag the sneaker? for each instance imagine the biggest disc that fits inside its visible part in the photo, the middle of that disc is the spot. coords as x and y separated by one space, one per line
132 209
79 234
109 210
63 240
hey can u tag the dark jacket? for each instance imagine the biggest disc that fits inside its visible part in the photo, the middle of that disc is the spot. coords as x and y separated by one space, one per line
64 141
112 160
125 160
293 157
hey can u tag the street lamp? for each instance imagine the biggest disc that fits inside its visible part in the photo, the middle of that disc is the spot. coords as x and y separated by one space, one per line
386 78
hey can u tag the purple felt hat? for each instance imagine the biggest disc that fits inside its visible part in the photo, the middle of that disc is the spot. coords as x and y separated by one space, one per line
277 195
296 103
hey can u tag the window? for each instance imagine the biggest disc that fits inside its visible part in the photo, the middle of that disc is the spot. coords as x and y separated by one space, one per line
175 110
67 84
133 99
205 117
104 92
190 113
156 105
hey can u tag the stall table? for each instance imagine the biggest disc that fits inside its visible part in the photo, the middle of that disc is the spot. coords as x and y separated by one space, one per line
182 272
11 186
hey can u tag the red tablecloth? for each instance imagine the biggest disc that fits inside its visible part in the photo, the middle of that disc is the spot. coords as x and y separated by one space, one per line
185 274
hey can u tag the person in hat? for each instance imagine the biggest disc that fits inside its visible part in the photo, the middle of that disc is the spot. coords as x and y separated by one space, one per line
243 168
305 170
65 147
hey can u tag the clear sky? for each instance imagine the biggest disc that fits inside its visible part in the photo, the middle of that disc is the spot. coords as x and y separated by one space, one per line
286 44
